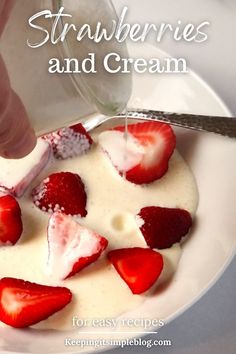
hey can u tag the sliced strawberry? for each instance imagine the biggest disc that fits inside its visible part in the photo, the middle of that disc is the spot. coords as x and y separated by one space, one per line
17 175
158 141
147 152
23 304
10 220
62 191
69 142
71 246
138 267
162 227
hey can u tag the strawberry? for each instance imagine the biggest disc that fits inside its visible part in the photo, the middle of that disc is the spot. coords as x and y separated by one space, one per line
10 220
138 267
23 304
17 175
63 191
158 143
69 142
72 247
162 227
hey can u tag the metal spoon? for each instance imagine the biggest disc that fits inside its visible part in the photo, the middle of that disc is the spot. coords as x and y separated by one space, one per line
220 125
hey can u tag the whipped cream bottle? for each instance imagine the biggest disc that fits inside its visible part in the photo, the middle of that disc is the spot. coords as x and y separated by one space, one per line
56 100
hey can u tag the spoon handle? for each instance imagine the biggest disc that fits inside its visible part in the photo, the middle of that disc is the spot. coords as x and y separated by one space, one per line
220 125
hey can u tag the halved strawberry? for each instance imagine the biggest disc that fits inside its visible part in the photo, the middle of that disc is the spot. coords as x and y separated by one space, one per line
69 142
162 227
146 154
71 246
10 220
23 304
62 191
17 175
138 267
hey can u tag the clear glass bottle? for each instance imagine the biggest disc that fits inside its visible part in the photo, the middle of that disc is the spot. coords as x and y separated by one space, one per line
56 100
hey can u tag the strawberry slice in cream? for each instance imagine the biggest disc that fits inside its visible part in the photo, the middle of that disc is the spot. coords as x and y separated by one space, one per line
145 153
17 175
72 247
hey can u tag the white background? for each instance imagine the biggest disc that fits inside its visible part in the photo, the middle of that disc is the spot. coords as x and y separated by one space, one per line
210 325
214 60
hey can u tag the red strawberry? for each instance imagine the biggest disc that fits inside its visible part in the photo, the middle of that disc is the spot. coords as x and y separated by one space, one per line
10 220
71 246
162 227
24 304
69 142
158 142
62 191
138 267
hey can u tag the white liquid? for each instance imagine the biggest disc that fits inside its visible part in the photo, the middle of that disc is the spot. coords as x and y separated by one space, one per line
98 291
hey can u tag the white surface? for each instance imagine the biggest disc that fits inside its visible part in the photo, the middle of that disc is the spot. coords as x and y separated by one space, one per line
204 254
210 325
